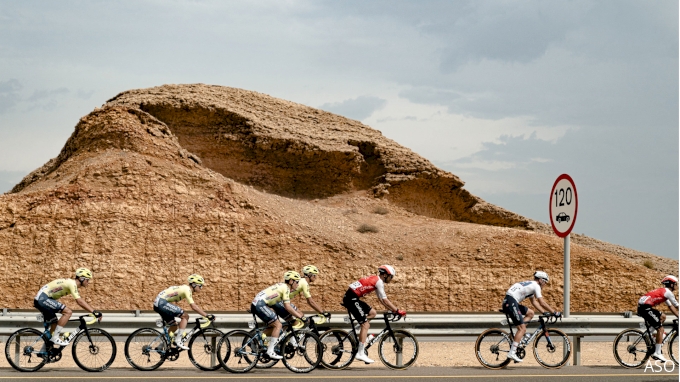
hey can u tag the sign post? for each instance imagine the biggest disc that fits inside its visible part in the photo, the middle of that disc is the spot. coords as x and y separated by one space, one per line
563 208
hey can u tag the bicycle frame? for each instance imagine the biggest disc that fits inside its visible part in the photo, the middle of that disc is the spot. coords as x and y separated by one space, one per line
49 349
542 328
198 328
386 330
648 332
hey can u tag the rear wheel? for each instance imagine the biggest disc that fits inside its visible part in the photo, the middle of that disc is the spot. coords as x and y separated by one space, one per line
238 351
25 350
96 353
632 348
492 348
338 348
400 354
203 349
673 348
301 351
145 349
552 349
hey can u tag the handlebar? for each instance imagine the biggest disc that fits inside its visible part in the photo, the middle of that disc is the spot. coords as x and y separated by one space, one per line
82 319
204 325
389 316
319 319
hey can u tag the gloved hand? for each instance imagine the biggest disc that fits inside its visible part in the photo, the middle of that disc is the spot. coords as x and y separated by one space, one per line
558 314
401 312
547 314
210 317
327 315
98 314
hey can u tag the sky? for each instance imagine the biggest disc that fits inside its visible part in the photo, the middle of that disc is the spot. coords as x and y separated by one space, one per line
507 95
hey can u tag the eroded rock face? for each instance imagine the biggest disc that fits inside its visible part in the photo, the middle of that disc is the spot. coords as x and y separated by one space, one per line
127 198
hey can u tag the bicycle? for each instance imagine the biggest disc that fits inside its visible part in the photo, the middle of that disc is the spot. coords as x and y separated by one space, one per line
239 351
25 343
393 345
147 349
628 345
551 346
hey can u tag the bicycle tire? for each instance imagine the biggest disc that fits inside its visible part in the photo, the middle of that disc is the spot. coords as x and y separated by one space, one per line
234 348
101 350
335 345
409 348
673 347
301 351
203 349
498 345
634 348
264 365
149 343
15 342
554 349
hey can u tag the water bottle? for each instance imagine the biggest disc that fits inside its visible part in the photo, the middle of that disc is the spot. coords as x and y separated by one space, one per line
526 337
65 335
265 339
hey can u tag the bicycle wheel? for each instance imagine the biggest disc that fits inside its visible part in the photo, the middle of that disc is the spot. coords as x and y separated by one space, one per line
264 362
145 349
203 349
23 350
95 354
632 348
338 349
552 349
238 351
301 351
492 348
390 354
673 348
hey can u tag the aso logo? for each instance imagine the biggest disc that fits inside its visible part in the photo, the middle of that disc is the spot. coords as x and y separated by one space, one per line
658 366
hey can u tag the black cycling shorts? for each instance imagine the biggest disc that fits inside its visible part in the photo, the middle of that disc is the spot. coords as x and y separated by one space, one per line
651 316
356 306
514 310
263 312
281 310
167 310
49 307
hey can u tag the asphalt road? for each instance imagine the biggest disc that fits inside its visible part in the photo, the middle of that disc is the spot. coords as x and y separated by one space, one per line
478 374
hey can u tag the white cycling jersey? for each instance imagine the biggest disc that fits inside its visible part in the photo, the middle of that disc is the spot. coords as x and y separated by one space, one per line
524 289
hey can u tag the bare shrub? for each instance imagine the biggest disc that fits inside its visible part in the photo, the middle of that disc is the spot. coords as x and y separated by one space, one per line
648 263
381 210
367 228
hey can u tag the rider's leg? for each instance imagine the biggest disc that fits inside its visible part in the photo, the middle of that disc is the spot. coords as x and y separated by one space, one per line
63 320
366 325
274 329
659 335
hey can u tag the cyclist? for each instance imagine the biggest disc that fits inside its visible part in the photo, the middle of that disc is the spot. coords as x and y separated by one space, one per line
46 302
511 307
359 308
653 317
263 307
168 311
310 273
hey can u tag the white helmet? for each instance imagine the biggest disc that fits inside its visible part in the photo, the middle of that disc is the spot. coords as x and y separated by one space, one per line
541 275
388 269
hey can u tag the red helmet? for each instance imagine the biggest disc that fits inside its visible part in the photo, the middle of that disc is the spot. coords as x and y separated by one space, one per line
388 269
669 280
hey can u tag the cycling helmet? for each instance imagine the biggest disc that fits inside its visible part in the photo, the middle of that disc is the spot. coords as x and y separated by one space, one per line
669 280
291 275
541 275
196 279
387 269
310 270
83 272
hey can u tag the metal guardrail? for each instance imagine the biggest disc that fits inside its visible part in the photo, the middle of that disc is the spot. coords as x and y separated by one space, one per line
420 324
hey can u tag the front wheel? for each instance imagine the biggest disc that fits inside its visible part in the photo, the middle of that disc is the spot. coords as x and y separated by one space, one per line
238 351
338 349
673 348
552 349
26 350
96 353
145 349
632 348
492 348
301 351
203 349
401 354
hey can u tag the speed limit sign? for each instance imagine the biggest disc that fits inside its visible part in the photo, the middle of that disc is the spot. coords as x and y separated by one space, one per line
563 205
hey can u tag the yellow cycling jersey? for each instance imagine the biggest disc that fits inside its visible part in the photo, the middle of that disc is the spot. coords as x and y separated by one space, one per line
273 294
176 294
60 288
303 287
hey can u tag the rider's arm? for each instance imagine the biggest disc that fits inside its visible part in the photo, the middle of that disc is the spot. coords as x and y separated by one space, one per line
314 305
545 305
292 311
674 310
83 304
198 309
388 304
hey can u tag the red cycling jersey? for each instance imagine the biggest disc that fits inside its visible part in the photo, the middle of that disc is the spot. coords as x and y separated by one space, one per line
657 296
368 284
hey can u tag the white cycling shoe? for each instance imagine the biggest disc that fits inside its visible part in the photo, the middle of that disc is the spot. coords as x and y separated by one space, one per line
514 357
57 341
659 357
363 357
273 355
181 345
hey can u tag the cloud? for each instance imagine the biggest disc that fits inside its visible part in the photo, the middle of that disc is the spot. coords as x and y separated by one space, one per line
358 108
9 94
39 95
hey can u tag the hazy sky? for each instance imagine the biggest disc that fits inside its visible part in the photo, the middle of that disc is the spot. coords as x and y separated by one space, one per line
507 95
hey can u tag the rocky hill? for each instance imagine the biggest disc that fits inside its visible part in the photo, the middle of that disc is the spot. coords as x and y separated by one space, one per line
239 186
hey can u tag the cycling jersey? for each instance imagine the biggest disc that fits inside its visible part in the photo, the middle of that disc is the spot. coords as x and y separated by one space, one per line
59 288
657 296
175 294
368 284
524 289
303 287
273 294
